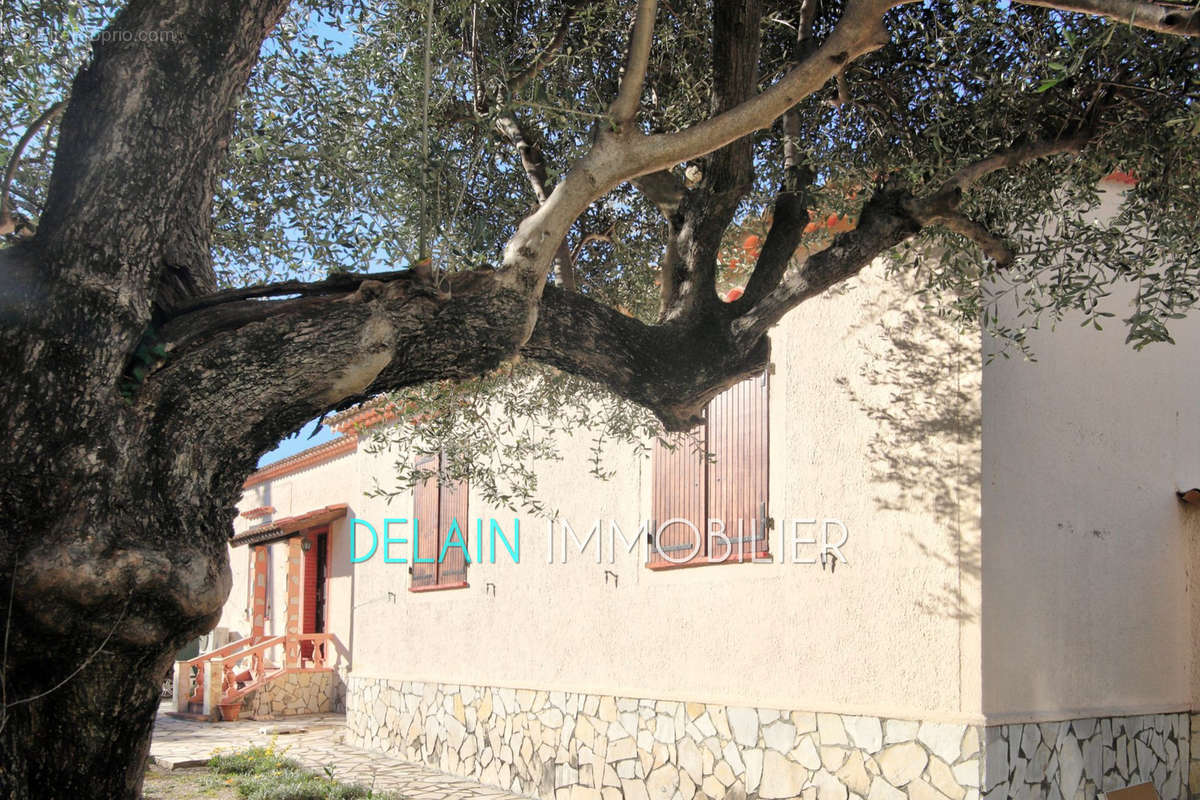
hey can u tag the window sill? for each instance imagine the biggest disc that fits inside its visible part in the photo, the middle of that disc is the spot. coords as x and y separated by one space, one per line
755 558
438 587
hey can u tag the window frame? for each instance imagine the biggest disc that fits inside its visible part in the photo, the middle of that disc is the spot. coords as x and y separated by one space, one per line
744 426
439 502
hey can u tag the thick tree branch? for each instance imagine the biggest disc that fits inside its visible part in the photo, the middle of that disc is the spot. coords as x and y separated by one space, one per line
885 222
708 209
888 219
535 170
1015 156
859 31
789 217
791 213
671 369
7 223
629 95
614 159
271 359
1181 20
586 338
663 189
142 140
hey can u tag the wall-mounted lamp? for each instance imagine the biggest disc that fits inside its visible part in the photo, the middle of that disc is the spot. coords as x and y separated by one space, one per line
1191 496
306 545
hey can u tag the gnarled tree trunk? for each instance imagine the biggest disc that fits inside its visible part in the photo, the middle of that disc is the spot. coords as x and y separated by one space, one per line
136 398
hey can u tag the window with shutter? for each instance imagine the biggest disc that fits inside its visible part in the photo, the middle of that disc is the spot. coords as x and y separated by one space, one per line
678 499
437 511
715 476
452 528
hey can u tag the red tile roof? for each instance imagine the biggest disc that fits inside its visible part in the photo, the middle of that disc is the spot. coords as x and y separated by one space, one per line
283 528
307 458
261 511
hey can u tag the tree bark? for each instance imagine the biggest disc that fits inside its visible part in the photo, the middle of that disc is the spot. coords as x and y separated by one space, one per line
109 559
136 400
133 410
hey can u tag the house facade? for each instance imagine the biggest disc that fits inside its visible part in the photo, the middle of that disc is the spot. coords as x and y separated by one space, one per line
954 577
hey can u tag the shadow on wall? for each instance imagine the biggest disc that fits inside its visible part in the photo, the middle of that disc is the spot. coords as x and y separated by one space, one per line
340 566
920 383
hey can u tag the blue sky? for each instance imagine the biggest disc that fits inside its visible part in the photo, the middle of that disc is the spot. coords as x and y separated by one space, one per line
304 438
298 441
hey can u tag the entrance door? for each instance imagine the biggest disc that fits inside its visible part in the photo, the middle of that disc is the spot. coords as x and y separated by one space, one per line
314 616
319 595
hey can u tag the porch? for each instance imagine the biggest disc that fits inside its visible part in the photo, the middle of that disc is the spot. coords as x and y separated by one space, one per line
267 675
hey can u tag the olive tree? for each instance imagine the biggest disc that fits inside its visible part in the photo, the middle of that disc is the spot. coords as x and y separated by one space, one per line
223 219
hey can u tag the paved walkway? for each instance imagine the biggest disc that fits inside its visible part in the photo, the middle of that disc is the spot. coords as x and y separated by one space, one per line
316 743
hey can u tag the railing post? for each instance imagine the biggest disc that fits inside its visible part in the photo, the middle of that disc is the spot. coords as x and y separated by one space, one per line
181 685
214 673
291 649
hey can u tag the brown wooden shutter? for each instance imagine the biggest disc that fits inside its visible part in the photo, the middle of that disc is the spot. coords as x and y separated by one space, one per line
453 506
729 484
426 518
678 491
737 472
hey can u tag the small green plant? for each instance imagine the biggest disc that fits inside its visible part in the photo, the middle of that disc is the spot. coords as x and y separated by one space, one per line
263 773
252 761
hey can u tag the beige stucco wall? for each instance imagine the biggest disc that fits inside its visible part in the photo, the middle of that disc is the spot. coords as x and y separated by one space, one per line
874 422
1088 604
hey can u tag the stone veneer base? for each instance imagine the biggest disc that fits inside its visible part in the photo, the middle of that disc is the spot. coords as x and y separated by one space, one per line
574 746
1082 757
297 692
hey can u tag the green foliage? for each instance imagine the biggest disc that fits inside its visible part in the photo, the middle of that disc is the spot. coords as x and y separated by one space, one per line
324 169
961 81
262 773
251 761
493 431
42 45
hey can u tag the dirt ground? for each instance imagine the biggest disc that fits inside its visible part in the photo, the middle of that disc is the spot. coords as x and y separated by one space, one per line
184 784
